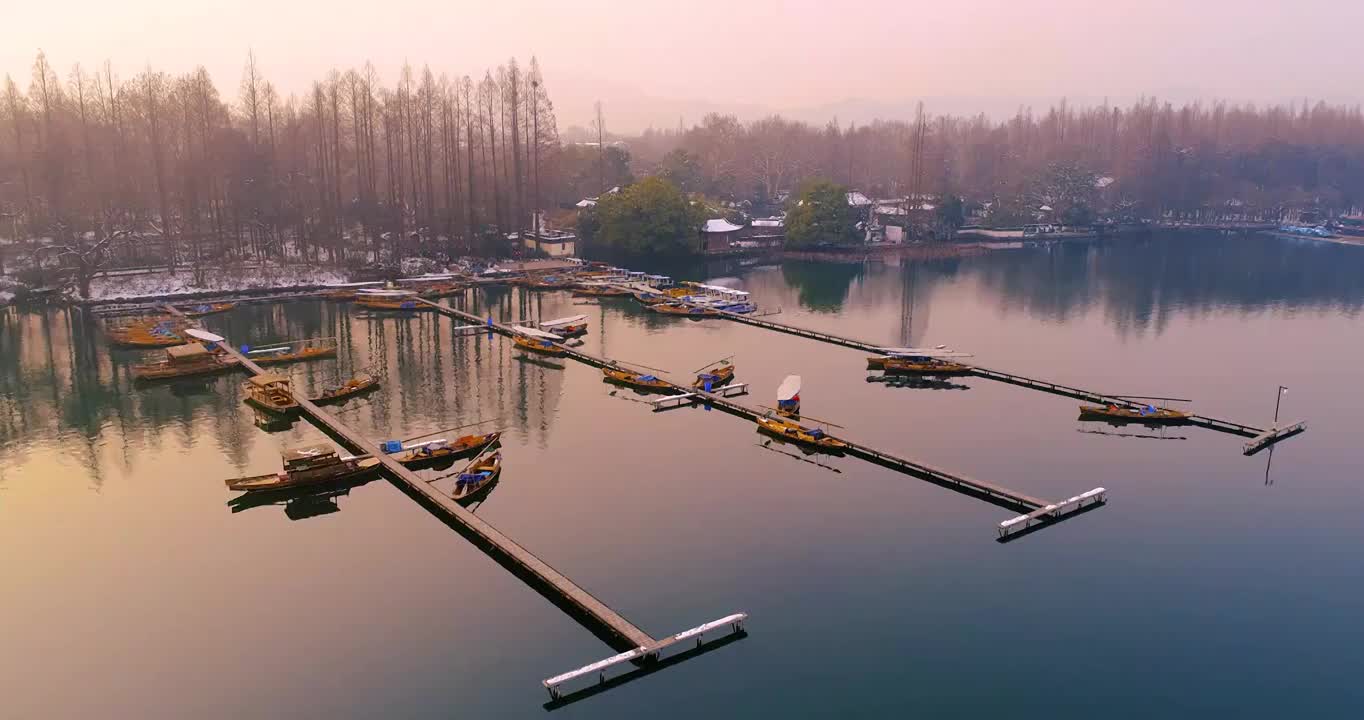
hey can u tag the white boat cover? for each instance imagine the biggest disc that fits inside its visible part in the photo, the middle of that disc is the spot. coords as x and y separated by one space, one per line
204 335
563 321
789 388
532 332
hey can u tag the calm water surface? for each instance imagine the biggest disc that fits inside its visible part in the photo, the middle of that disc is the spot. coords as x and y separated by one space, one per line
1212 585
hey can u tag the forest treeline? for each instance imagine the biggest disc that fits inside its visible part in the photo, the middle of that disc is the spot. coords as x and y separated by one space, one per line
1150 159
168 168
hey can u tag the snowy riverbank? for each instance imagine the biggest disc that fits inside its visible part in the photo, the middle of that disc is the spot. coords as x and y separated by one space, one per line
162 284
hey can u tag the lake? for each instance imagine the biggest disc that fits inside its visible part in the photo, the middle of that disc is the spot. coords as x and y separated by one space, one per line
1210 585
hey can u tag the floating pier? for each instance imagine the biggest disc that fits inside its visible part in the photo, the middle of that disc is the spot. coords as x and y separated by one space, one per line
1266 437
527 564
990 492
1272 435
691 398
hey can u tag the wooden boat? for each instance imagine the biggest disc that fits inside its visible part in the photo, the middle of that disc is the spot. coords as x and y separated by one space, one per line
638 381
1147 414
312 350
593 290
157 333
440 291
431 452
923 366
312 465
566 327
362 382
339 295
185 360
796 433
480 475
721 374
538 341
403 300
551 282
684 310
788 397
271 392
649 299
206 309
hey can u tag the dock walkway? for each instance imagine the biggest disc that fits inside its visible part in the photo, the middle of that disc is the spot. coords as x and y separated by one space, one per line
997 494
643 644
1211 423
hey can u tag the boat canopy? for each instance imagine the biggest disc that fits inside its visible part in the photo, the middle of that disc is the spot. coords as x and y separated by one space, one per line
204 335
938 352
366 292
789 388
307 452
532 332
268 379
548 324
187 351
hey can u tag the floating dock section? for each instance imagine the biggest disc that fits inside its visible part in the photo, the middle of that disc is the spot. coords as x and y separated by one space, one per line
1267 437
644 646
996 494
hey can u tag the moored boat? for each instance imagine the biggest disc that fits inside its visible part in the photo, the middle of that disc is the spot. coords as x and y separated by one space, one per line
156 333
271 392
185 360
308 350
721 373
538 341
206 309
684 310
479 476
799 434
431 452
638 381
1148 414
390 300
566 327
362 382
918 365
595 290
304 466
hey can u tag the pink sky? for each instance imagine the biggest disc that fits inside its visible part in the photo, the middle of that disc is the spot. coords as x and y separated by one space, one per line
649 60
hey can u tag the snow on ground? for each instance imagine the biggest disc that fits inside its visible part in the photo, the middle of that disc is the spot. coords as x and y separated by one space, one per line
181 282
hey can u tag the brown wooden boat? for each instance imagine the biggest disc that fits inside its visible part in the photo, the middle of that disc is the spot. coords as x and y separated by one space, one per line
721 374
543 346
479 476
796 433
362 382
206 309
923 366
1147 414
638 381
314 350
684 310
339 295
434 451
306 466
185 360
271 392
152 333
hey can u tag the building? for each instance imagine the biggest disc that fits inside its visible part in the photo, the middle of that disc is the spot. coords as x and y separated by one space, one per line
554 243
719 235
767 232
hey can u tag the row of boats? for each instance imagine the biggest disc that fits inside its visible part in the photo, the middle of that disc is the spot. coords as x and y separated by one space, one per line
204 355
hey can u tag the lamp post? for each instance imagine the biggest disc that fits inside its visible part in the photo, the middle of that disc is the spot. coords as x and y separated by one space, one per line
1278 397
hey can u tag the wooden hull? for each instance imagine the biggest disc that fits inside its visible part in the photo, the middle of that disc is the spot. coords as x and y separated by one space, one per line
684 311
722 376
1161 416
300 356
393 305
166 371
793 433
147 342
276 408
904 367
282 482
633 380
349 390
649 299
468 490
195 311
463 447
550 349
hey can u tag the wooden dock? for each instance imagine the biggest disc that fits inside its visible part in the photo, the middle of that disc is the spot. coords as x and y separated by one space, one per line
979 489
1211 423
527 563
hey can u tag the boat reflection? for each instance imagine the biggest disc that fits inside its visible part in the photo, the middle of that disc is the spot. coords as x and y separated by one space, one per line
768 445
272 422
916 382
302 503
1154 431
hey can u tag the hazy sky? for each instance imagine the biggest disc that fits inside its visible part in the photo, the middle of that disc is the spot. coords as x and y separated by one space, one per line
653 61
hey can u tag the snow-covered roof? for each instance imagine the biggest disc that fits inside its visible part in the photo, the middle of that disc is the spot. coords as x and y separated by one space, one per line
768 222
587 202
857 199
1103 182
720 225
